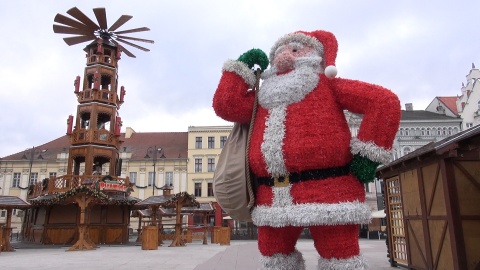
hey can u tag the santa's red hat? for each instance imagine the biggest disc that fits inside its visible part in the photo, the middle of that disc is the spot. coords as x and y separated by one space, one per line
322 41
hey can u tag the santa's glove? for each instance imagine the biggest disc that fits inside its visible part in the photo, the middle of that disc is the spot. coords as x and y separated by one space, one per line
254 56
363 168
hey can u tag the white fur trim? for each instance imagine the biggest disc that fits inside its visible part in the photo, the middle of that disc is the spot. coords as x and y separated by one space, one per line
355 262
241 69
292 261
371 151
331 71
297 37
311 214
273 141
282 197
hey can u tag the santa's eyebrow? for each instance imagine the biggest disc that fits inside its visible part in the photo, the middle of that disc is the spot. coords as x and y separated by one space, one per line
294 45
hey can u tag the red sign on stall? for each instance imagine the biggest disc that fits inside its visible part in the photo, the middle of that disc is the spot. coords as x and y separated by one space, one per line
112 187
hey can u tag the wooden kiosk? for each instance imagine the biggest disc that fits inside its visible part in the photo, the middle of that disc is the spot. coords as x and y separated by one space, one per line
9 203
204 209
432 203
176 201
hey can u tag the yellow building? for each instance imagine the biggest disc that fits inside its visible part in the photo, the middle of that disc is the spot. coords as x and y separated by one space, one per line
204 146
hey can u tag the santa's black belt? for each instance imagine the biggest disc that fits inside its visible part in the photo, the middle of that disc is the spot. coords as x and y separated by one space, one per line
295 177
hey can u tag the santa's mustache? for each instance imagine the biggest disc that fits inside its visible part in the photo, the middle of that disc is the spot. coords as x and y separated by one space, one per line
311 62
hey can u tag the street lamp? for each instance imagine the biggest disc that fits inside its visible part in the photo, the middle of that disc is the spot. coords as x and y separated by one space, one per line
32 152
154 150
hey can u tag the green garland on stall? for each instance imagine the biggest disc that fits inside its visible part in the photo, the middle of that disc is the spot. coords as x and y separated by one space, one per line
92 191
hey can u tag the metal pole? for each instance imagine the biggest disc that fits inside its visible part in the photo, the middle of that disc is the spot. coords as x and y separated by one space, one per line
154 169
32 153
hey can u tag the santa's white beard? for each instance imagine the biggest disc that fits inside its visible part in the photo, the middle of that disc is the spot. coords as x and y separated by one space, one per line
281 90
275 94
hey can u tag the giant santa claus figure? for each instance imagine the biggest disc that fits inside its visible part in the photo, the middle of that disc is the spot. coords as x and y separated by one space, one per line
310 172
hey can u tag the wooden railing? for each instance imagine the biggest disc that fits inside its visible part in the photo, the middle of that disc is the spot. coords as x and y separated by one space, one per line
65 183
81 136
103 95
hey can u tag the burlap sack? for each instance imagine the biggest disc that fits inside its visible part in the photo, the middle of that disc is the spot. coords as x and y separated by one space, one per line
230 179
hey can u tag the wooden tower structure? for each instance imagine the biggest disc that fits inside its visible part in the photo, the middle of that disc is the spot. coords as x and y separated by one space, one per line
91 203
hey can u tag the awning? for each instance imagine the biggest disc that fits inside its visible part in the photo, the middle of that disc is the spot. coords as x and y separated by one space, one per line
378 214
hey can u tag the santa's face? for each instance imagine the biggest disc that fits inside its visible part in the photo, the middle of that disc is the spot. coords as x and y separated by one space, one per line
294 73
286 55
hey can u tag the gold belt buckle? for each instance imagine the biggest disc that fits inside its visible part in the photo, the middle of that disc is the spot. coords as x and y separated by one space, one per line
277 181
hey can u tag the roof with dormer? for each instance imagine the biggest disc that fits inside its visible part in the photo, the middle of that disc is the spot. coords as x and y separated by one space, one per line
450 103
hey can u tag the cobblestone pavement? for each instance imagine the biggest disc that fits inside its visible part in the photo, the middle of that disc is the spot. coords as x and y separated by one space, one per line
237 255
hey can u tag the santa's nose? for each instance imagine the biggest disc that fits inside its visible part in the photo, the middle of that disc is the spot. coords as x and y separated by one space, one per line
284 61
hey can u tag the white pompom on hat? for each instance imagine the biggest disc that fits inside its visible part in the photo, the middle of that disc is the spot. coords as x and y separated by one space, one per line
322 41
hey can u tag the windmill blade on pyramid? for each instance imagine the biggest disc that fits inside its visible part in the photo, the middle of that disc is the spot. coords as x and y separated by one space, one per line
83 29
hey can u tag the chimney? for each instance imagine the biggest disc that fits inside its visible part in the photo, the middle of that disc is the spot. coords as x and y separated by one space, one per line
128 132
408 106
166 190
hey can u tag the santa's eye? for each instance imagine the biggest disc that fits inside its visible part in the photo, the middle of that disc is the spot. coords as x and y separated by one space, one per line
294 50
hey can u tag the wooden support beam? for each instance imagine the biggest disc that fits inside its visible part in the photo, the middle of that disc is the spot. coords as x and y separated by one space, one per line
83 242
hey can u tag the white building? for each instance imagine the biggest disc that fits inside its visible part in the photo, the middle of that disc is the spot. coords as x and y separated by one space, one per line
468 104
418 128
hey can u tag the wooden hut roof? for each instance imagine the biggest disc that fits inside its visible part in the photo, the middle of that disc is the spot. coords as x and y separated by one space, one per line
13 202
152 201
167 201
435 148
203 208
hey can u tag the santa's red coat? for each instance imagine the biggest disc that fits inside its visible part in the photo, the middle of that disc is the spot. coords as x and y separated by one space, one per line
316 136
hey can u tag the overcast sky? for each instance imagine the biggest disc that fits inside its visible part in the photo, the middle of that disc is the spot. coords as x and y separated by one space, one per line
418 49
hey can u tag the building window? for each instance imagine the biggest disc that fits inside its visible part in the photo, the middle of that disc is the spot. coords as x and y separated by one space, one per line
210 189
428 132
444 131
52 175
198 142
406 132
16 179
417 132
198 165
223 140
406 150
4 213
211 142
400 132
133 177
198 189
169 178
439 131
423 132
33 178
150 178
211 164
469 125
